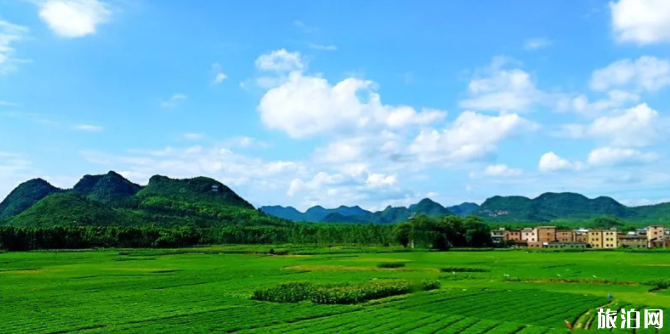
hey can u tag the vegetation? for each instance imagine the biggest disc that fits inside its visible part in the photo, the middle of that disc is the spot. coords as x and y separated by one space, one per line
24 196
391 265
210 289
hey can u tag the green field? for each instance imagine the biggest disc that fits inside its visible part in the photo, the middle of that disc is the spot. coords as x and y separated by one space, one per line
208 290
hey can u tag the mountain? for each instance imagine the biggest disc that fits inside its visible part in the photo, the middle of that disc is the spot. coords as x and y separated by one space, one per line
464 209
198 189
279 211
549 206
110 199
391 215
342 214
110 188
430 208
25 196
65 209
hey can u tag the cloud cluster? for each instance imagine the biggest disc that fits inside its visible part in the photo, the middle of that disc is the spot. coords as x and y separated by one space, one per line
74 18
641 21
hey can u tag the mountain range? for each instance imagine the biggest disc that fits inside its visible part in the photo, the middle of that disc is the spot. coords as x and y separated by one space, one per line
110 199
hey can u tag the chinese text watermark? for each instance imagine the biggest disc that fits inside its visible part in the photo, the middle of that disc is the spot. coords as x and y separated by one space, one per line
630 319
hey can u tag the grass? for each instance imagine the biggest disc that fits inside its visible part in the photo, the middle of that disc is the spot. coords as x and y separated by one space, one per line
209 289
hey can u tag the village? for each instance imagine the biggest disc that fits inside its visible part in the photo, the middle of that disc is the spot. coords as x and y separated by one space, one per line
653 236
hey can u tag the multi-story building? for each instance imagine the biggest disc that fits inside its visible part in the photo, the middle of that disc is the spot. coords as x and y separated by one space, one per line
565 236
529 235
655 235
609 238
632 240
595 238
498 235
546 233
513 235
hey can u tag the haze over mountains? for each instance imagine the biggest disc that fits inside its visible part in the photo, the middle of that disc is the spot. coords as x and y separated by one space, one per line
110 199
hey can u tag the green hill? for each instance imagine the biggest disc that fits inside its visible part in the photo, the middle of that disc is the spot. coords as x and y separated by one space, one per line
429 208
25 196
68 209
110 188
110 199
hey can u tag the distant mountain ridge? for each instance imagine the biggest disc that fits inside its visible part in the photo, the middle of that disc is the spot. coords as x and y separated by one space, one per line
110 199
501 209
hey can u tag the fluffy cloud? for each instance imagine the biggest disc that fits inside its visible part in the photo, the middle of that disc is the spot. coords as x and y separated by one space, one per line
641 21
280 61
643 74
498 88
10 34
581 104
551 162
635 127
74 18
305 106
470 137
611 156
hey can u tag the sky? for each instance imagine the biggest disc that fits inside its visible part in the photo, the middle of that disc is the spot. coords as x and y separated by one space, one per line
334 103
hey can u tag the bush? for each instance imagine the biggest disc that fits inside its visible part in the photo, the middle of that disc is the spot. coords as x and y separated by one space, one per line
659 284
360 293
391 265
427 285
285 293
463 270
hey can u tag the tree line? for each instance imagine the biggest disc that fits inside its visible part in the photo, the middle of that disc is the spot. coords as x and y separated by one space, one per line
422 231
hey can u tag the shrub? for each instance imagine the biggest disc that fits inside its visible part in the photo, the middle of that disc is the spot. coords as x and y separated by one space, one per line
659 284
427 285
285 293
463 270
359 293
391 265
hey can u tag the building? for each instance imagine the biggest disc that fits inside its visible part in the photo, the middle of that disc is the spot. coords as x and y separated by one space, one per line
546 233
595 238
582 237
632 240
513 235
498 235
609 238
529 235
535 244
655 235
565 236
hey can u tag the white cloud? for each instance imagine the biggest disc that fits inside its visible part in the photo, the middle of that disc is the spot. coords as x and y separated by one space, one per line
641 21
502 170
536 43
10 34
643 74
322 47
581 104
635 127
612 156
219 76
470 137
380 180
280 61
87 128
501 89
308 105
550 162
74 18
8 104
174 100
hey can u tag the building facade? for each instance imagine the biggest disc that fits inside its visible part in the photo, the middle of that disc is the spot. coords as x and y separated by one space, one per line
565 236
529 235
546 233
595 238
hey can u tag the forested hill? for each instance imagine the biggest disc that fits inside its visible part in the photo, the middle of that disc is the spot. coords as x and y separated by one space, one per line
501 209
112 200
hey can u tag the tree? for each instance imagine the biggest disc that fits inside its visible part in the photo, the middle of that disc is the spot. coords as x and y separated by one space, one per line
403 233
477 233
607 222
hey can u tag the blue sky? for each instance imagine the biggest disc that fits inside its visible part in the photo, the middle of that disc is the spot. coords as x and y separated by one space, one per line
323 102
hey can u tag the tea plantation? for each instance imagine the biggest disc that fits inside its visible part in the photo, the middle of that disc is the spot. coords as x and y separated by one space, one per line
243 289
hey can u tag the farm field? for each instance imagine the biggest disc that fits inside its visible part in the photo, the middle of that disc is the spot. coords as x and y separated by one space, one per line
208 290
